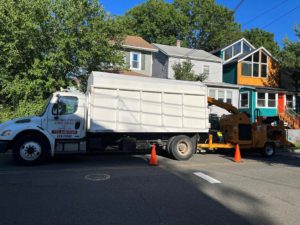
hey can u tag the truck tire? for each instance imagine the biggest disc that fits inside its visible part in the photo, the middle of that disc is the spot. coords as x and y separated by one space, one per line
168 146
30 149
182 147
269 150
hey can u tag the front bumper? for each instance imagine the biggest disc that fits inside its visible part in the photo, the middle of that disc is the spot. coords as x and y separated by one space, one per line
3 146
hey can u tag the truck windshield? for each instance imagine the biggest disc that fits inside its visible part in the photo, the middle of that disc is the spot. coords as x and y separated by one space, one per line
45 106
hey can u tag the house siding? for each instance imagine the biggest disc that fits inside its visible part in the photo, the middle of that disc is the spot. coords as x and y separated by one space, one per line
215 68
230 73
160 65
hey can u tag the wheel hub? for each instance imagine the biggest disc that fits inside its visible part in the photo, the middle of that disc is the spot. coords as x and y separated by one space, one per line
269 150
30 151
183 148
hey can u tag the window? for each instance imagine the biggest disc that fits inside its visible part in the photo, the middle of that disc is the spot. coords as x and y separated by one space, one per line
135 60
206 69
237 48
212 93
229 97
246 48
263 58
261 99
221 96
264 65
255 65
67 105
289 101
246 69
228 53
255 69
256 57
271 100
263 70
244 100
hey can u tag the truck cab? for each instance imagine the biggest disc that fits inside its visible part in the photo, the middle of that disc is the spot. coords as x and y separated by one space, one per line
60 127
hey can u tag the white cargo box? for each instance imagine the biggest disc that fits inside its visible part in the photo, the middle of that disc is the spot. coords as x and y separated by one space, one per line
122 103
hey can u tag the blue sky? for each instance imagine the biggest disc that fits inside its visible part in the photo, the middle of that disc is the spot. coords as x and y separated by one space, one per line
251 13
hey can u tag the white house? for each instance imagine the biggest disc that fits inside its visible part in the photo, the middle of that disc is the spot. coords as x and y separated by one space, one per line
223 92
204 62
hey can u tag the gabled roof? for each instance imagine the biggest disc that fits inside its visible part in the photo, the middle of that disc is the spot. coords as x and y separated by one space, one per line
187 53
245 55
136 42
233 43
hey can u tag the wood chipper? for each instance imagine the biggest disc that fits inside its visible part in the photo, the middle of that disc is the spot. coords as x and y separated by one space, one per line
237 128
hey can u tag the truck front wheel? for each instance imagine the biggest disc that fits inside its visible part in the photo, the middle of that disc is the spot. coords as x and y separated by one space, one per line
269 150
182 147
30 149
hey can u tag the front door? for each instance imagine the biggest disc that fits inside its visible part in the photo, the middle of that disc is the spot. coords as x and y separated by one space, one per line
280 106
66 117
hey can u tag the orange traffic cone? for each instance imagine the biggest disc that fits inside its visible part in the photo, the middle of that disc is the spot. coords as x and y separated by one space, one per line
153 158
237 154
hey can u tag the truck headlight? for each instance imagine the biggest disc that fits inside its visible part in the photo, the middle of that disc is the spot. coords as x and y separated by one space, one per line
6 133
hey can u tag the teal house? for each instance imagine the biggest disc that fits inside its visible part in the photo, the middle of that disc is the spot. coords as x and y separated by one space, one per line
259 102
256 71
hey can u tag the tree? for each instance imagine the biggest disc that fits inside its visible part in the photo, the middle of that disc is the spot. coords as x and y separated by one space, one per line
41 41
210 25
184 71
290 59
259 38
156 22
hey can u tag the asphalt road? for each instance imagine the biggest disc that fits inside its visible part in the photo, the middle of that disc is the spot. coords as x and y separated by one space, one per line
123 189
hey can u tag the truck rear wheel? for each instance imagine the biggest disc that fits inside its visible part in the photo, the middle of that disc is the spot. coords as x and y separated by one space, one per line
169 146
182 147
30 149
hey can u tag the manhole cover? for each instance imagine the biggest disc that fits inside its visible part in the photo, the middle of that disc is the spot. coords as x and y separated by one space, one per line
97 177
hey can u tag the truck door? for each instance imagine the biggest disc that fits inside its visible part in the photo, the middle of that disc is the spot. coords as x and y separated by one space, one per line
66 118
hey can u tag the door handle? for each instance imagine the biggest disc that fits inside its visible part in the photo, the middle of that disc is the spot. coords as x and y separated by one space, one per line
77 125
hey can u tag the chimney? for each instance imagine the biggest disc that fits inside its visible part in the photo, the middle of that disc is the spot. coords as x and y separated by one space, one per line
178 43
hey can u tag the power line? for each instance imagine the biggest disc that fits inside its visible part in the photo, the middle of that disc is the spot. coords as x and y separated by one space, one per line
238 5
264 12
283 15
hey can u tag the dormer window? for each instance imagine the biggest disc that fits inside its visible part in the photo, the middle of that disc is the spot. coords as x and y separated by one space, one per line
246 48
237 48
234 50
228 53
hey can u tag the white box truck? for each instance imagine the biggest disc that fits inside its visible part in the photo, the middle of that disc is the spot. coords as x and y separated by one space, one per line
117 110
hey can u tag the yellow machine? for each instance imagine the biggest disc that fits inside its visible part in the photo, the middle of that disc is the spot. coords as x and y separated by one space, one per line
237 128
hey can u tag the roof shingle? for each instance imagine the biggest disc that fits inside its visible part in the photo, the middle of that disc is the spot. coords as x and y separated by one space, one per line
138 42
181 52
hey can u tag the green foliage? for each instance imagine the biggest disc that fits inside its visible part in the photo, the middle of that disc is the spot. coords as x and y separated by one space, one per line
43 40
258 38
201 24
184 71
290 59
155 21
210 25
